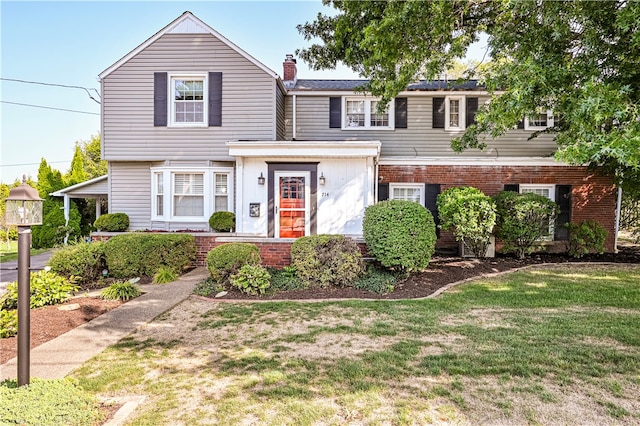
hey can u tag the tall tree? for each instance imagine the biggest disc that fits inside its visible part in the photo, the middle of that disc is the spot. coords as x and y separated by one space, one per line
580 59
76 173
94 166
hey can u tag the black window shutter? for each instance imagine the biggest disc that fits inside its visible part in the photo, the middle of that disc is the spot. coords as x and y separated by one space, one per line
521 124
215 99
563 200
335 112
438 113
383 191
160 105
401 113
512 187
431 203
472 108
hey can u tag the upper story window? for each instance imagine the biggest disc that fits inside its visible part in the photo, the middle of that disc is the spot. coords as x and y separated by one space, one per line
539 121
454 112
188 102
362 113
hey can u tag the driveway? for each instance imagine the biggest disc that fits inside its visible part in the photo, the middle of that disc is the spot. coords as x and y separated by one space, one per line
9 271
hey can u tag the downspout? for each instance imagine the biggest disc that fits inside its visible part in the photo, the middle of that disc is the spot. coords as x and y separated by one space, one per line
617 229
294 106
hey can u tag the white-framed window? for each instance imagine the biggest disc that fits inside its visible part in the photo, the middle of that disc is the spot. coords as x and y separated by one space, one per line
190 194
188 103
361 113
539 121
407 192
546 190
454 113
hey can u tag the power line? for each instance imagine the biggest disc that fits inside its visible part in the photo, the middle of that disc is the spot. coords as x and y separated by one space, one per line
86 89
48 107
33 164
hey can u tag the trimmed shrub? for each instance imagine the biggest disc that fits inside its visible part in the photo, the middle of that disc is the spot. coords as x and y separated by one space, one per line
251 279
124 290
324 260
227 259
400 234
222 221
585 237
47 288
523 220
112 222
133 255
84 261
470 215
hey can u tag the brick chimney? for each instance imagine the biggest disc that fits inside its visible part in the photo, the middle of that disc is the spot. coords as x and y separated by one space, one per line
290 69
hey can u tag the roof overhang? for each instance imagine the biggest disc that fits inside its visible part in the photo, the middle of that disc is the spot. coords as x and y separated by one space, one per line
308 149
93 188
470 161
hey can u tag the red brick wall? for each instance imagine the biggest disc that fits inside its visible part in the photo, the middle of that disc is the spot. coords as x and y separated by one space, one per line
593 196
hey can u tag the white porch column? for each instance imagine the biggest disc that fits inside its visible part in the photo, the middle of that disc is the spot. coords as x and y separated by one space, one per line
67 207
98 207
240 205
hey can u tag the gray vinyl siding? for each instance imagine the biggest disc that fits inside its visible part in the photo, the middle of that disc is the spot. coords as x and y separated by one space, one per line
280 114
90 190
130 192
248 102
419 139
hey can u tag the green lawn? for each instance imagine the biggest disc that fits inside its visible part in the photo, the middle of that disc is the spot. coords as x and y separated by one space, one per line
10 251
549 346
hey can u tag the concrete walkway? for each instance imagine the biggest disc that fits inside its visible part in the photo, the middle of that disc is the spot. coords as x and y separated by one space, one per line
58 357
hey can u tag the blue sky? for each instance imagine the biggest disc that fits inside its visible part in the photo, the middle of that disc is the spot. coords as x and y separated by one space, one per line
70 43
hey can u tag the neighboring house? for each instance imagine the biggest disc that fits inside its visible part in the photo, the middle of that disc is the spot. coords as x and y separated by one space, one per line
192 124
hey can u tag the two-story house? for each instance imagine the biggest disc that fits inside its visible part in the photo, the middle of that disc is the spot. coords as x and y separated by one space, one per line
192 124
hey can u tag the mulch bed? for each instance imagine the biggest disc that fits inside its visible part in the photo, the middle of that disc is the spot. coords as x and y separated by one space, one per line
442 271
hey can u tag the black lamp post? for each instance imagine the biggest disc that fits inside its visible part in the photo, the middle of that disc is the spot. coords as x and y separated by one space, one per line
24 209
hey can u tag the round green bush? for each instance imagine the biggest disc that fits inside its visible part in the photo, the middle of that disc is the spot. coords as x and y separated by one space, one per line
85 261
324 260
227 259
523 220
400 234
222 221
470 215
585 237
112 222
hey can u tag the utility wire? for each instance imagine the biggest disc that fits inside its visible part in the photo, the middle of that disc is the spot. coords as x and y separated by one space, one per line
86 89
32 164
47 107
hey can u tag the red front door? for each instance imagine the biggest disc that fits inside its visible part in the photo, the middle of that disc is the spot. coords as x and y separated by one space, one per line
292 206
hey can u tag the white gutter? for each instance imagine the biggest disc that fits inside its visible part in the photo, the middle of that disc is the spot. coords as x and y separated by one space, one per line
617 228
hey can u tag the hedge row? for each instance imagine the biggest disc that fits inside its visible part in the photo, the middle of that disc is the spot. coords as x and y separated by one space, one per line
126 256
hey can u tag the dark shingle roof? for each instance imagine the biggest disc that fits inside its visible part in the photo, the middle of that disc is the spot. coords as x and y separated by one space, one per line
351 85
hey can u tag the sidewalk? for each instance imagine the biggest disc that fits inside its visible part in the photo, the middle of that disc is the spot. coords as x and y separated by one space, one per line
58 357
